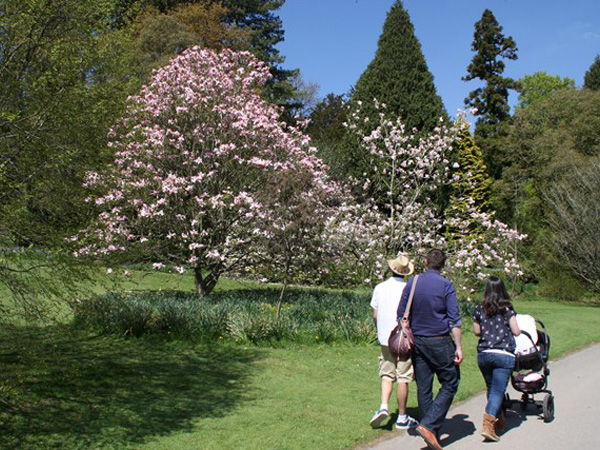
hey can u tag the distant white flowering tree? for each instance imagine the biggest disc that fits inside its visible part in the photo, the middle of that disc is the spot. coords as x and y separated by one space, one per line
414 173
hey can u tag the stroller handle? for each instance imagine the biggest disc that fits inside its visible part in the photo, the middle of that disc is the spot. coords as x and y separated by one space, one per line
541 323
529 336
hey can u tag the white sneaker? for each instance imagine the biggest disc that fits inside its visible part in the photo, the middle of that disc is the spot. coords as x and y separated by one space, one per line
379 416
408 423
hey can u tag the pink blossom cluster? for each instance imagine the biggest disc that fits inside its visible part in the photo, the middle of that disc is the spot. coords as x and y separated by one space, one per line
195 161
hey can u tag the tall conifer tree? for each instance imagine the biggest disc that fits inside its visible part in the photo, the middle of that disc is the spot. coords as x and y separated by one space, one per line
399 77
491 101
490 47
472 189
592 76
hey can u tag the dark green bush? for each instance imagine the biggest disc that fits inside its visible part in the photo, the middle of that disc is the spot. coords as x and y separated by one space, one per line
562 285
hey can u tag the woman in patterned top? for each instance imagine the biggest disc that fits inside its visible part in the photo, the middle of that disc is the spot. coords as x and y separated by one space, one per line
495 323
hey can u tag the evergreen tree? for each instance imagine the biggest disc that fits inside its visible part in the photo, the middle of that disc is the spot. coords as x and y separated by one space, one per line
399 77
471 190
592 76
491 101
266 31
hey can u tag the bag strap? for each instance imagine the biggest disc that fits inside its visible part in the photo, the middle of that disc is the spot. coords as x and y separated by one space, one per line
410 299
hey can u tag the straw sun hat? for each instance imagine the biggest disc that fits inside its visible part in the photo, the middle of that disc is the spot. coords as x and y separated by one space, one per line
401 265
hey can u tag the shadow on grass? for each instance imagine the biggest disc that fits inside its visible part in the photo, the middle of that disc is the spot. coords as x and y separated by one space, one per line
73 390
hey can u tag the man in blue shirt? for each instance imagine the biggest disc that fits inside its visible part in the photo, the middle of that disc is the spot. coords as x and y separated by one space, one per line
433 317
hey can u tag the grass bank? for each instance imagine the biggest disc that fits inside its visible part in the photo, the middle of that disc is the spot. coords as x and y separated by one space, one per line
71 389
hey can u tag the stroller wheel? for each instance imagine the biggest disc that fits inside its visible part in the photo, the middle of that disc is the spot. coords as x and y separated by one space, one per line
524 402
548 408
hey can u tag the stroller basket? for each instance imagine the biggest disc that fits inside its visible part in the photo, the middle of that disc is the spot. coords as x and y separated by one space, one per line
533 382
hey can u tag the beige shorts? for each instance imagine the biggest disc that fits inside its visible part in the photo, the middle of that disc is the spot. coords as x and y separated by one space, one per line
401 371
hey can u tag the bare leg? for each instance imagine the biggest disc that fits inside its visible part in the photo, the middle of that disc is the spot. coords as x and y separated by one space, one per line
387 385
402 394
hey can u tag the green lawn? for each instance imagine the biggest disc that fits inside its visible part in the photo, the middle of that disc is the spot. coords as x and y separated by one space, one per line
138 280
75 390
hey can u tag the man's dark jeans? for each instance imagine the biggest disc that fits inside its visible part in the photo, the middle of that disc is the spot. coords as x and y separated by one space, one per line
435 355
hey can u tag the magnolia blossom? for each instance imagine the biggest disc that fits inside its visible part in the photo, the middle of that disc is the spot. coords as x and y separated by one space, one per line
198 165
411 173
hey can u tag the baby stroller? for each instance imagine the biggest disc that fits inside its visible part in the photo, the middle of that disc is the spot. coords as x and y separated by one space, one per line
531 371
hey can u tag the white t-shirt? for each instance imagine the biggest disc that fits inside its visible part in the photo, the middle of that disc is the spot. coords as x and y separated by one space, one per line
386 297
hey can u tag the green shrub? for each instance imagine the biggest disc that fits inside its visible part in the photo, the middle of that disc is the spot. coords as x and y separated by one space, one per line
324 332
562 285
244 316
466 308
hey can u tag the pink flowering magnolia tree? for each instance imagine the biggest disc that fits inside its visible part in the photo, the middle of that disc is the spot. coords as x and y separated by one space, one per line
290 245
414 173
199 164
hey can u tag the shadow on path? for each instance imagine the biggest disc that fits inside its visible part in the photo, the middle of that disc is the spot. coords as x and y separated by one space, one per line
456 428
72 390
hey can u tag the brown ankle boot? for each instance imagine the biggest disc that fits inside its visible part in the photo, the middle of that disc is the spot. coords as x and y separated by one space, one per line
488 432
500 423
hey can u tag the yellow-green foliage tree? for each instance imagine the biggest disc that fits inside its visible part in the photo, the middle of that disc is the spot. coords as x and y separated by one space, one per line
471 184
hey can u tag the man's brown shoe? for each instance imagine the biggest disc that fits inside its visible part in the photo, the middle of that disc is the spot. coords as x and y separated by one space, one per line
429 437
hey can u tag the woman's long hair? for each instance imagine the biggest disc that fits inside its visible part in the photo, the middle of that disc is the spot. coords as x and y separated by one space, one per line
495 297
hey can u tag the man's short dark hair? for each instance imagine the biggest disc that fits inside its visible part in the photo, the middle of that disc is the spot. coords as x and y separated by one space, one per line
435 259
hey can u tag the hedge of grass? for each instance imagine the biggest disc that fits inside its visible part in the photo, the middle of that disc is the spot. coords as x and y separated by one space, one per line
240 316
250 316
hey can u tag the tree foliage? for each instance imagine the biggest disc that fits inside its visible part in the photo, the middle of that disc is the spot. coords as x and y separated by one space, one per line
491 100
243 25
64 74
591 79
545 145
200 169
540 86
471 182
161 36
573 218
326 129
399 77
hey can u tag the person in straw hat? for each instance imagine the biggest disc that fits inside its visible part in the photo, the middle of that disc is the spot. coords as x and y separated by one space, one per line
386 297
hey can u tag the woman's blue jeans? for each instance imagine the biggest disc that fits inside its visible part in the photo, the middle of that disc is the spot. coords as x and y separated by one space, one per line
496 369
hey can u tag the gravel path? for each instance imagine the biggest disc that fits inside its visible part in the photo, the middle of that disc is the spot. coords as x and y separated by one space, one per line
573 381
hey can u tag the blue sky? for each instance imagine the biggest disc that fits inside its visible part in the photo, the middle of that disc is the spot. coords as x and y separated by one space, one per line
333 41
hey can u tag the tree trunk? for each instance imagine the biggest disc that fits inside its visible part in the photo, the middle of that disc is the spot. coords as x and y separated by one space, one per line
285 283
205 285
281 298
